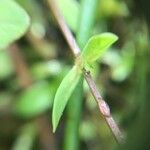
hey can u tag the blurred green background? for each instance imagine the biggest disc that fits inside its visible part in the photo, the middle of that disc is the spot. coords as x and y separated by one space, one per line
33 67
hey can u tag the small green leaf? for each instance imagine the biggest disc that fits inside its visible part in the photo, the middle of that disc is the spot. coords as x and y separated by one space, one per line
63 94
14 21
97 46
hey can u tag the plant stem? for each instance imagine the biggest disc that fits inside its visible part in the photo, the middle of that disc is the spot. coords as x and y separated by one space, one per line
64 28
74 109
103 107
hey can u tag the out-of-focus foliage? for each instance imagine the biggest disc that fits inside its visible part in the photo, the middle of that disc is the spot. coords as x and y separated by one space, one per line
41 59
34 100
14 21
113 8
123 64
26 138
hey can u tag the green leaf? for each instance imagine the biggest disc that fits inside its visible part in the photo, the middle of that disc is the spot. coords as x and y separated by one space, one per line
34 100
96 46
70 9
14 22
63 94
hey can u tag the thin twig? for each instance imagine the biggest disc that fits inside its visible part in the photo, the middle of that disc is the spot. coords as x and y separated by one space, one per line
64 28
103 106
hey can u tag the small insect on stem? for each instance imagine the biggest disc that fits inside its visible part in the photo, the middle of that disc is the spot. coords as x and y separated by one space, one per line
87 72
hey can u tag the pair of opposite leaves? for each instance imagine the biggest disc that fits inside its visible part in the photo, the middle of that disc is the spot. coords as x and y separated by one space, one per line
93 50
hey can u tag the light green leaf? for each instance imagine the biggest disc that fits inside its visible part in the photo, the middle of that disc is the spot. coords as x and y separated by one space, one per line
63 94
96 46
70 9
14 22
34 100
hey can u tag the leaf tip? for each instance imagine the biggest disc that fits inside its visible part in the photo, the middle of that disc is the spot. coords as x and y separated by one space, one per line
54 129
54 123
113 37
55 120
